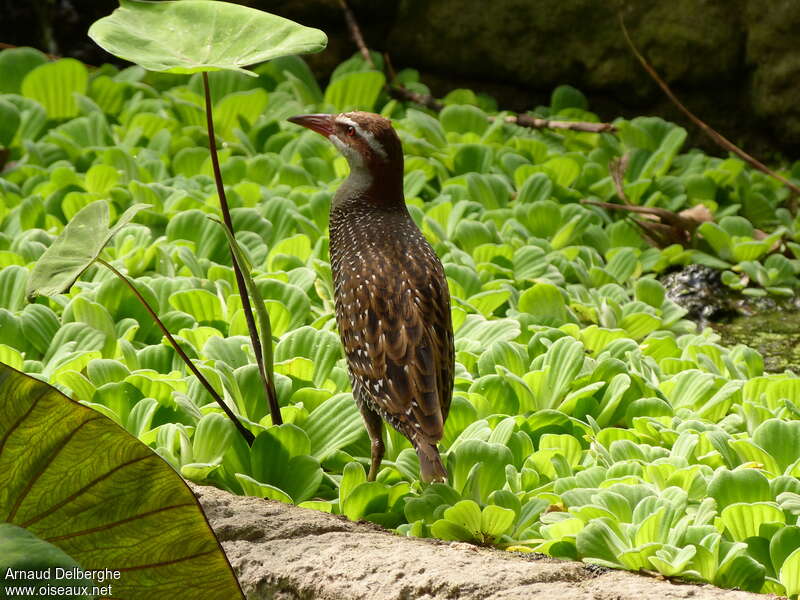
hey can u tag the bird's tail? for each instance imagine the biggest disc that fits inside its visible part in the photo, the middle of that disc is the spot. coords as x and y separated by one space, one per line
430 463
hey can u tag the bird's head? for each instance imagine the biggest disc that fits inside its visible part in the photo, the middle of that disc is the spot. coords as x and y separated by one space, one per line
368 141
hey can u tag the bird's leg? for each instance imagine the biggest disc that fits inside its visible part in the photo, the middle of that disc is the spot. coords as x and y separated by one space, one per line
375 430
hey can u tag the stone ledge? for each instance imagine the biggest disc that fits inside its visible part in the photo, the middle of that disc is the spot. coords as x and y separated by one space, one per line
282 552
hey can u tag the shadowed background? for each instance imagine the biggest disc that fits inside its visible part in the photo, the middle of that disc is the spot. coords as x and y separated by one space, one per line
735 63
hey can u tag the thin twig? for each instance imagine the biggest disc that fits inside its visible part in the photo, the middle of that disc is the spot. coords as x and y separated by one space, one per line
717 137
269 390
355 31
399 92
387 61
246 433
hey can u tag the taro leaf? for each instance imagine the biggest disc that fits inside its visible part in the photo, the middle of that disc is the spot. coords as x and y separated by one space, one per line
78 246
72 478
194 35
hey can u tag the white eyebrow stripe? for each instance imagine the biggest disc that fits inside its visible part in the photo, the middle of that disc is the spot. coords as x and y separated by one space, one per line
368 136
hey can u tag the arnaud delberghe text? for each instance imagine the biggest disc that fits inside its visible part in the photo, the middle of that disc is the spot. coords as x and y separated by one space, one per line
56 573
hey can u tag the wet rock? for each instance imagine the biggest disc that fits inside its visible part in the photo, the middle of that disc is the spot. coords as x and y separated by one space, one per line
699 290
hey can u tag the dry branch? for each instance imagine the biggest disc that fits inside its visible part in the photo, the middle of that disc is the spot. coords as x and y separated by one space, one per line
720 139
355 31
400 92
662 227
536 123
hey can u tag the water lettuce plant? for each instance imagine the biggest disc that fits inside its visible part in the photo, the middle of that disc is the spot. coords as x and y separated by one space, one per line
590 419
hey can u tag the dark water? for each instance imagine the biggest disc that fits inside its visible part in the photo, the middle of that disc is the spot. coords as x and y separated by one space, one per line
775 334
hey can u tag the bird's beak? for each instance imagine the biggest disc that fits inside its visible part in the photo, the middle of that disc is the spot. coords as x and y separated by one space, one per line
321 123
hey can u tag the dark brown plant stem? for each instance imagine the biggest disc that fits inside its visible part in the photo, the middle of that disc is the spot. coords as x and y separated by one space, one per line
269 388
246 433
717 137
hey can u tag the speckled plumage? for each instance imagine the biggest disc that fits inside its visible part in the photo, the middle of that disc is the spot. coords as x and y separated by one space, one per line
393 313
392 300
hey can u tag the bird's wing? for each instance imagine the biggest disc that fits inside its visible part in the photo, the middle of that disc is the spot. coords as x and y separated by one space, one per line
396 330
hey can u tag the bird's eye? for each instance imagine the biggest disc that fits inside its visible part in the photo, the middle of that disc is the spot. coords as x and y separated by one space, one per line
350 131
